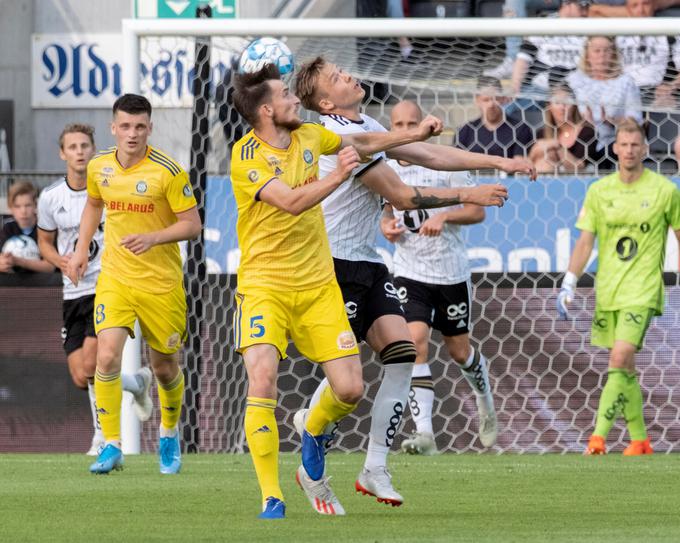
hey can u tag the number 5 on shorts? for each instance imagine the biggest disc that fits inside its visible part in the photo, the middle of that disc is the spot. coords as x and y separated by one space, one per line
256 329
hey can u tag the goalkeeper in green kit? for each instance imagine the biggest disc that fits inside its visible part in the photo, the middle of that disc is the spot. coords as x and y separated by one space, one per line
630 212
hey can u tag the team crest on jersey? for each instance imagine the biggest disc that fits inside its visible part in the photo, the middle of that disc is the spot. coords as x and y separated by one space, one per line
308 156
346 341
187 191
253 176
141 187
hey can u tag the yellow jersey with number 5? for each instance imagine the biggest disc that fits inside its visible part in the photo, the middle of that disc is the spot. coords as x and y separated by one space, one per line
280 250
140 199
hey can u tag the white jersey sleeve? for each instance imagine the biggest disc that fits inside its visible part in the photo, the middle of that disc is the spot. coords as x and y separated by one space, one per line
440 260
59 209
352 211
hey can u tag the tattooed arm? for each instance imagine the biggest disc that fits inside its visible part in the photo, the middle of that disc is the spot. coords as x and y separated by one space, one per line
383 180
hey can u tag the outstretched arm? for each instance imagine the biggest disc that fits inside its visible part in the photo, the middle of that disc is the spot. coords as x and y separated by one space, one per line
383 180
443 157
369 143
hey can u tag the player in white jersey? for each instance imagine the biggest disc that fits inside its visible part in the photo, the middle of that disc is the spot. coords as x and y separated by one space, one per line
352 217
432 276
59 209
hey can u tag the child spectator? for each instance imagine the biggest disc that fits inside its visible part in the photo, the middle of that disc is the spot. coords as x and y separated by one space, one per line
22 199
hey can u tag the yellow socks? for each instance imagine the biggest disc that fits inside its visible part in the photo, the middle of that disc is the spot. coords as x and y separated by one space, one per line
108 390
170 397
329 409
262 435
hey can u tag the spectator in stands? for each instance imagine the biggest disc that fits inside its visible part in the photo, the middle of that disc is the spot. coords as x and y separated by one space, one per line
538 53
25 257
567 143
666 95
644 58
494 133
619 8
605 94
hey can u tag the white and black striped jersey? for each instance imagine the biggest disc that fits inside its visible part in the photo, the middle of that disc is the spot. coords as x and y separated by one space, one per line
439 260
352 211
59 210
545 52
644 58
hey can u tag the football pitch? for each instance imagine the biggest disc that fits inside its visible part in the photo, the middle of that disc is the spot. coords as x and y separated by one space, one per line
447 498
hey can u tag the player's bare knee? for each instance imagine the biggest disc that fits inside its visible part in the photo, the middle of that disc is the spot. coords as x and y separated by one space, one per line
349 392
459 348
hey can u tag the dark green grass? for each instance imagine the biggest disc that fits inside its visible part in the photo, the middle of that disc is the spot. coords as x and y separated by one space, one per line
448 498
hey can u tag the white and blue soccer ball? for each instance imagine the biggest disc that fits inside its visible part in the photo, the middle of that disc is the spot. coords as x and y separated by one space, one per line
264 51
22 246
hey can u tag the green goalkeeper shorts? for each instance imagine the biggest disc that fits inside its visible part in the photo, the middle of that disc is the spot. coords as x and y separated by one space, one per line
625 324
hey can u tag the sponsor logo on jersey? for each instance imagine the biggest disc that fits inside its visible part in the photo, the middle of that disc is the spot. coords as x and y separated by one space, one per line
105 182
253 176
173 340
599 322
129 206
351 309
263 430
141 187
308 156
346 341
457 311
644 204
644 227
187 191
278 171
61 209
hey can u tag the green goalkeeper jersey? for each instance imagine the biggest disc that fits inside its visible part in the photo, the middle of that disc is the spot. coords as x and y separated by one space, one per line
631 224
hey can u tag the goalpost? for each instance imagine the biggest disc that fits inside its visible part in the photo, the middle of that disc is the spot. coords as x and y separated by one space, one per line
545 376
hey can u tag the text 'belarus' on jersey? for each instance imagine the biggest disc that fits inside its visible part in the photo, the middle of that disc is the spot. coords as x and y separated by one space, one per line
280 250
631 223
143 198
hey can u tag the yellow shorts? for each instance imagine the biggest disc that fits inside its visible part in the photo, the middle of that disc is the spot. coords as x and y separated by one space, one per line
162 317
314 319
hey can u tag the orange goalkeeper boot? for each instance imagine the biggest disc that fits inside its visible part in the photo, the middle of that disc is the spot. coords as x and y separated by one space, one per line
638 448
595 446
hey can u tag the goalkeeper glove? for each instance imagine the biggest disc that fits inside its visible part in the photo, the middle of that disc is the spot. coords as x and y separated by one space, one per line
566 295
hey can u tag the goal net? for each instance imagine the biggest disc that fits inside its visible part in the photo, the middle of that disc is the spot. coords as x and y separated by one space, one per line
545 376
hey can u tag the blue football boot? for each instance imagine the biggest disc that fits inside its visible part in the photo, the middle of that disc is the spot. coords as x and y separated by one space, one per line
110 458
314 454
273 509
170 456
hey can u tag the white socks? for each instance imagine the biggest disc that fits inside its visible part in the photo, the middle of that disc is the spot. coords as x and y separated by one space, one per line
421 398
476 373
93 408
386 414
131 384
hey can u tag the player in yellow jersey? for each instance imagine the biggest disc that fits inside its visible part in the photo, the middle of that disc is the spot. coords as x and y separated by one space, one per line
286 283
150 206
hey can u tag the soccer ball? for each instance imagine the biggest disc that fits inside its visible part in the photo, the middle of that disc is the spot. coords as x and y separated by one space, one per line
22 246
266 51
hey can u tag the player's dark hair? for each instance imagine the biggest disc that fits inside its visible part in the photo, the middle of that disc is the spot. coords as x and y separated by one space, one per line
76 128
134 104
19 188
306 88
251 90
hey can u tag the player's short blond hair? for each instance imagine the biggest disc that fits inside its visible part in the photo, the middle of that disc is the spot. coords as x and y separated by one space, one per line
76 128
19 188
631 126
306 83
